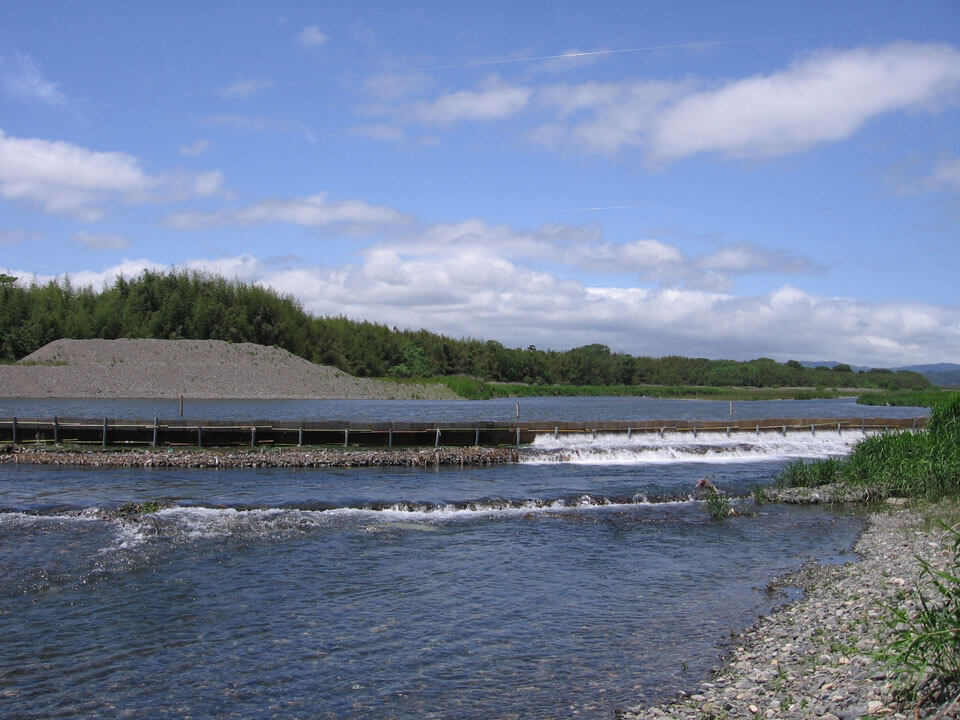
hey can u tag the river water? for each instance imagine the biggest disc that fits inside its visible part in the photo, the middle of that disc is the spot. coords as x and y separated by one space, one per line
583 580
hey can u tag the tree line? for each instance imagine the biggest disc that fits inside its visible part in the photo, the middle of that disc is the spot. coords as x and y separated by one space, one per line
193 305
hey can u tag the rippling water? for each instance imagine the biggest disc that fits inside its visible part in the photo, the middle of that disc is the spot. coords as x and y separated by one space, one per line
584 580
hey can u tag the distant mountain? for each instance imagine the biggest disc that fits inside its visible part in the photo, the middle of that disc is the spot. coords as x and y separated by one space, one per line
831 364
940 374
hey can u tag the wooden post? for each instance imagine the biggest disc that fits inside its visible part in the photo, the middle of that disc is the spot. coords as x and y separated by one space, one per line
14 430
518 409
813 429
103 436
694 431
629 432
728 431
199 436
253 436
518 432
839 431
476 436
436 443
181 406
56 430
300 436
556 432
783 431
346 437
156 432
731 408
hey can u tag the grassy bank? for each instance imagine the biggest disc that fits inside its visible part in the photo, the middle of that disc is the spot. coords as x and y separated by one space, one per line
906 398
471 388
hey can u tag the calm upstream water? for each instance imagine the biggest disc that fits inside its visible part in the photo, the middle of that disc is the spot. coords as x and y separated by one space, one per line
582 581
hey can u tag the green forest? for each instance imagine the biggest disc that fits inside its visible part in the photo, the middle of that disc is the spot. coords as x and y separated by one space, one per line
194 305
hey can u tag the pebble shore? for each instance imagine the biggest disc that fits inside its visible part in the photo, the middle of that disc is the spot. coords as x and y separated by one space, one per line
816 658
292 457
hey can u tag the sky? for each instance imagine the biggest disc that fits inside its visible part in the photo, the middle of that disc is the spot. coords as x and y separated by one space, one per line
725 180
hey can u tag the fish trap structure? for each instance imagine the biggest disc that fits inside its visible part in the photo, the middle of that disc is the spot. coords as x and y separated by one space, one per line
222 433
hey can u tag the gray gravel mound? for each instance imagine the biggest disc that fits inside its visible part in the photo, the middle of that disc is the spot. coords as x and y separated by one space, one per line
213 369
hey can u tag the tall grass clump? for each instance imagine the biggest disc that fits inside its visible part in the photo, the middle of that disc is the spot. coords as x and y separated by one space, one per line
814 474
925 648
923 464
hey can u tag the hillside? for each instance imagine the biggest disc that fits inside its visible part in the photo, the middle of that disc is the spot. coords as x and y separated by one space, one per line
128 368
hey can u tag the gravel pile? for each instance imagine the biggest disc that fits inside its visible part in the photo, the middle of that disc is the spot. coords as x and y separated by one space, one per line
211 369
815 658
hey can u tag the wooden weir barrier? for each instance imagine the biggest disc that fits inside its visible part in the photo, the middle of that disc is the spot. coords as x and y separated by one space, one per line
218 433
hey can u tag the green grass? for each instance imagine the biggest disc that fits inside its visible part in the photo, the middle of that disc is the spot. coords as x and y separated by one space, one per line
906 398
801 474
471 388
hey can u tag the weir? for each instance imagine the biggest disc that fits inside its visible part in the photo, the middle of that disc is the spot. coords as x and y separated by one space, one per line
157 432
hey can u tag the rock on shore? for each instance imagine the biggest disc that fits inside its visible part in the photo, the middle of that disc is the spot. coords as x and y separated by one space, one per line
815 658
211 369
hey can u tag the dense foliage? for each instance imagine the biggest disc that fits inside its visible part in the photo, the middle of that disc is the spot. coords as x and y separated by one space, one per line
199 306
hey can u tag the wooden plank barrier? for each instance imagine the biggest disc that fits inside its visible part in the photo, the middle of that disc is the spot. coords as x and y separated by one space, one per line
217 433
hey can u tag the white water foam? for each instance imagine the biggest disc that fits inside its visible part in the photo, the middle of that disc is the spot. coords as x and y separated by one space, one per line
687 447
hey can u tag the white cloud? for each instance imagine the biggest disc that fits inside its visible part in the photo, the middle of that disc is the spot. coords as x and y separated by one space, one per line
825 97
380 131
312 211
312 36
15 236
101 241
69 179
493 101
66 178
20 76
243 89
196 149
208 183
739 258
946 176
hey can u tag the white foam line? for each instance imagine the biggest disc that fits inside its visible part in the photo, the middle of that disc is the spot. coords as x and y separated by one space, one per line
674 447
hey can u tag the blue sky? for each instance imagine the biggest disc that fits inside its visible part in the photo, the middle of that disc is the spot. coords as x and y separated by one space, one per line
728 180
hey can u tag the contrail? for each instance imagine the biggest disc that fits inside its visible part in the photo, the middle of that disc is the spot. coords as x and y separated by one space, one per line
649 48
603 207
573 54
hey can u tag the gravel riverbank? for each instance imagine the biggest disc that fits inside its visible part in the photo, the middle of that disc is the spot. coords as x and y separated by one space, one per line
256 458
815 658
